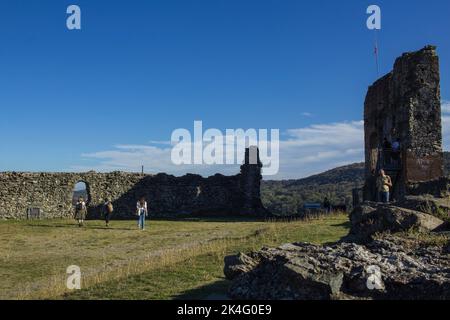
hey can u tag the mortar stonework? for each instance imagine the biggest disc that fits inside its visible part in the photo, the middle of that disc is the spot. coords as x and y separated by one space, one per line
405 105
166 195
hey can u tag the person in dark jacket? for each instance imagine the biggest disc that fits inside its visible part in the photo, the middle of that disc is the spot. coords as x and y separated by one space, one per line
327 205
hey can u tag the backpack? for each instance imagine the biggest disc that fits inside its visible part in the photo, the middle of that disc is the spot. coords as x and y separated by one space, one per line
79 207
109 207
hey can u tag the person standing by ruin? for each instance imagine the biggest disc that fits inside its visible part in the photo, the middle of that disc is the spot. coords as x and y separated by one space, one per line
108 209
142 212
384 184
326 205
80 211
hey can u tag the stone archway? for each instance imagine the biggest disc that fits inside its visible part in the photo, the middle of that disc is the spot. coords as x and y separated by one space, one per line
81 189
89 198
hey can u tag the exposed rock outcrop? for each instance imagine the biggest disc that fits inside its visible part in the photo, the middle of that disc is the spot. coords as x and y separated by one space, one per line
438 207
237 265
436 188
371 218
389 267
370 263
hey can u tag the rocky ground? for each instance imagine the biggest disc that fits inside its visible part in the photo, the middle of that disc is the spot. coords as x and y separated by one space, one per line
391 252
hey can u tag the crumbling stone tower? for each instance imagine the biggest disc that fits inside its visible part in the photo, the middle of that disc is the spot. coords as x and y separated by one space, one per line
250 182
405 106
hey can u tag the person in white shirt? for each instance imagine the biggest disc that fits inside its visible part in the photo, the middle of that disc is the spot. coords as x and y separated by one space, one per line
142 212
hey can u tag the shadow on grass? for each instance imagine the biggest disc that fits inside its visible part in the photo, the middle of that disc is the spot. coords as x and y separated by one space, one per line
75 226
205 218
345 224
230 219
213 291
344 238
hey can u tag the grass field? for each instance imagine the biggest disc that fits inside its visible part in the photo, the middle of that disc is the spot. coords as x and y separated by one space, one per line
170 259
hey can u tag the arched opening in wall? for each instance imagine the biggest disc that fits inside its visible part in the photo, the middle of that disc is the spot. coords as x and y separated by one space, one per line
81 189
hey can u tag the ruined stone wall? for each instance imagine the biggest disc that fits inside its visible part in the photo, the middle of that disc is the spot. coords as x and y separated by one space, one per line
405 104
417 88
53 192
167 195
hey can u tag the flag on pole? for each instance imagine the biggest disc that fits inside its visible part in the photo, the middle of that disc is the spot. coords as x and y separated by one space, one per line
376 53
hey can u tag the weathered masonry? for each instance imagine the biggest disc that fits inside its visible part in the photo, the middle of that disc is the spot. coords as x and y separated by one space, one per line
402 125
167 195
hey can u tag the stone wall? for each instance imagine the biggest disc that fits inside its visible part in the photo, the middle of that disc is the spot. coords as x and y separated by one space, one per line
167 195
405 105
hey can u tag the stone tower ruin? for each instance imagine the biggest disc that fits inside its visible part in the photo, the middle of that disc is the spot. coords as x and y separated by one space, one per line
250 183
402 124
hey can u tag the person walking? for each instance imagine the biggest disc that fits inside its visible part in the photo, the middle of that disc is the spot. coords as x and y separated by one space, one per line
80 211
142 212
384 183
108 209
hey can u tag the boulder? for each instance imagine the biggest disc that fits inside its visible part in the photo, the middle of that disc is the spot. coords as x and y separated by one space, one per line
369 219
438 207
389 267
236 265
438 188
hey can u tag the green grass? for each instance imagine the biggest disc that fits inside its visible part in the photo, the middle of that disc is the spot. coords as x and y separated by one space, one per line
171 259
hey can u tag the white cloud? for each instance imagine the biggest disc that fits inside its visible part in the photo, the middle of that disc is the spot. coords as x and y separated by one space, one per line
445 108
317 148
132 157
303 152
160 142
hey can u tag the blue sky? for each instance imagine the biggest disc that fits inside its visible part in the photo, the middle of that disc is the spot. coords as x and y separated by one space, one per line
98 97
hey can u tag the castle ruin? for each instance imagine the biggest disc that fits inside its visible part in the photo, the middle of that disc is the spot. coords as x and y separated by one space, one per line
167 195
402 126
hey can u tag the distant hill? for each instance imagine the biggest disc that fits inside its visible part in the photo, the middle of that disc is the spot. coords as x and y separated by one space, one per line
77 194
288 196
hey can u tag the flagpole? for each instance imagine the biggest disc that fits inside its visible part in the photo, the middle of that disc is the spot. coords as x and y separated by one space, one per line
376 53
